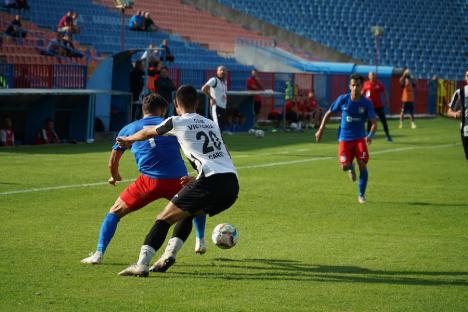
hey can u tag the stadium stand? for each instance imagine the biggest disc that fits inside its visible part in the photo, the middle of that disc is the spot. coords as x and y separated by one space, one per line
417 33
188 22
100 27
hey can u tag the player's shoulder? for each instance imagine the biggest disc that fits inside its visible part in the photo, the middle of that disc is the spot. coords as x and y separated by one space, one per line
344 97
366 101
211 81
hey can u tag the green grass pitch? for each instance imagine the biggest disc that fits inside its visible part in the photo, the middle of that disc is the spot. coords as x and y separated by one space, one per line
305 242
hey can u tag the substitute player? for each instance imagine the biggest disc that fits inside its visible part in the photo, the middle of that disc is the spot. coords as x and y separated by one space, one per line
458 108
355 111
215 189
373 89
162 169
216 90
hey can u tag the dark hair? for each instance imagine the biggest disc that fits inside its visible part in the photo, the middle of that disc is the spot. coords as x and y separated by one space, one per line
186 96
356 77
152 102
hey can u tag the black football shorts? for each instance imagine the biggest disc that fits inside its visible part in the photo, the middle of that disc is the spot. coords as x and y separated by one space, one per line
211 195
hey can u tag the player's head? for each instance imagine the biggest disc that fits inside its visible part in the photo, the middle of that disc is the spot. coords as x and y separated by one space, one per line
164 71
355 85
186 98
6 121
154 104
49 124
254 72
221 72
372 76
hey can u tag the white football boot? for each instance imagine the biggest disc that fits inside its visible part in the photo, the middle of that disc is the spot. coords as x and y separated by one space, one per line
162 264
361 199
135 269
94 258
200 247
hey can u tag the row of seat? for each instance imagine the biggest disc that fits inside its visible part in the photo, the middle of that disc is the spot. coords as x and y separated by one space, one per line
330 23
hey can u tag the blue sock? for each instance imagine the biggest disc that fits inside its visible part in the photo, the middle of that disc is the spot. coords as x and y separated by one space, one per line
363 181
108 227
199 222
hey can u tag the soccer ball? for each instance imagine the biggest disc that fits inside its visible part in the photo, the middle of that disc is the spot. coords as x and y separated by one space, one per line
225 236
259 133
252 131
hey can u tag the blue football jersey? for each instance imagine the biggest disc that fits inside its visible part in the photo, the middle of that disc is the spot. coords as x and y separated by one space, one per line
354 116
157 157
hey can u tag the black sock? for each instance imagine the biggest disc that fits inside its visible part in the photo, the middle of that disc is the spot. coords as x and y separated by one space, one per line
157 234
183 228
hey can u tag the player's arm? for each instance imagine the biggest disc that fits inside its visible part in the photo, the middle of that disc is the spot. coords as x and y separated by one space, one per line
455 102
206 90
325 119
372 130
114 160
141 135
454 114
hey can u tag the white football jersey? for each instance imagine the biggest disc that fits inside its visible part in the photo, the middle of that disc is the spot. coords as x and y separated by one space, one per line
201 142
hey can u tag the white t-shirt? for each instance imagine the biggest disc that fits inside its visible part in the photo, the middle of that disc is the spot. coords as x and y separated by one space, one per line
218 90
201 142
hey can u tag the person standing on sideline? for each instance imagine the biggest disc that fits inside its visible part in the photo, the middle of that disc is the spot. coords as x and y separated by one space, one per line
162 174
216 90
163 85
458 109
7 135
215 189
355 111
407 97
254 84
373 90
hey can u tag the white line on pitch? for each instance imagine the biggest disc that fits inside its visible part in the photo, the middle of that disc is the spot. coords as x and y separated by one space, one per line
273 164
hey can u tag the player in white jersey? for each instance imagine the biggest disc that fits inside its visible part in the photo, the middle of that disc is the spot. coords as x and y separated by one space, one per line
216 89
458 109
214 190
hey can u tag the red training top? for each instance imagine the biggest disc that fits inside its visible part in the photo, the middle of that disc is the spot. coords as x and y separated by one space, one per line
373 92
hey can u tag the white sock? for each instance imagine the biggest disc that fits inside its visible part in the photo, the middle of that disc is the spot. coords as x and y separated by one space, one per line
146 253
173 247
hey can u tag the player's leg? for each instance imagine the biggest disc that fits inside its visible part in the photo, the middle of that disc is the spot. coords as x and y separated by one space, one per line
107 231
381 113
154 240
214 115
402 114
465 143
411 111
346 157
137 195
181 232
200 223
362 159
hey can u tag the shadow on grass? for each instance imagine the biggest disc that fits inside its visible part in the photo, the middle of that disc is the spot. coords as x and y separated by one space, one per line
436 204
291 270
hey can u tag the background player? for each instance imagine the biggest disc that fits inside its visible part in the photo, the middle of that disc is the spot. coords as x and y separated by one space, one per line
373 89
407 97
162 174
216 90
215 189
355 110
458 108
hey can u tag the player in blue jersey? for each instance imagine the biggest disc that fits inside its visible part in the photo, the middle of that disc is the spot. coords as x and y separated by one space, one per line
355 111
163 174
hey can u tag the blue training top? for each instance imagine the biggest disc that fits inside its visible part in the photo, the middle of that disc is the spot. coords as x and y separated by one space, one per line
159 157
353 116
